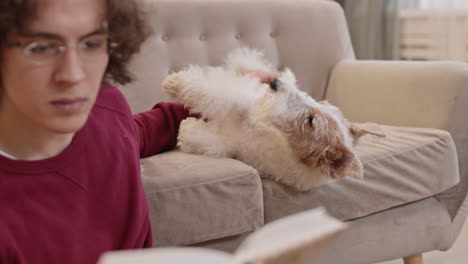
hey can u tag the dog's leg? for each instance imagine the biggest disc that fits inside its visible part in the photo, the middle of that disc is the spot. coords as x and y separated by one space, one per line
213 92
245 60
173 85
198 136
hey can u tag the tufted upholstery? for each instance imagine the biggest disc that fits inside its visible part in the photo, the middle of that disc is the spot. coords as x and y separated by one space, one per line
294 33
394 212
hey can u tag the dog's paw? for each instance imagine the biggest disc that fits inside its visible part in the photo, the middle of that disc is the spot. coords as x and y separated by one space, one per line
196 136
189 135
172 86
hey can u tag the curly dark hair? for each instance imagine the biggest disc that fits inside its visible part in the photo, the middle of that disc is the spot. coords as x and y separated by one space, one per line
126 22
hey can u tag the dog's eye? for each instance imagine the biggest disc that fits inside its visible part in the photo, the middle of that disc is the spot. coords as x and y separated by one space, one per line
274 84
310 120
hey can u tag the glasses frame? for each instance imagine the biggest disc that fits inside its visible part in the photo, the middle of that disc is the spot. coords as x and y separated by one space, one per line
62 48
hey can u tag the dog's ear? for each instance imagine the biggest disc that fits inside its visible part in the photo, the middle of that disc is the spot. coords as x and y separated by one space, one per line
359 130
339 162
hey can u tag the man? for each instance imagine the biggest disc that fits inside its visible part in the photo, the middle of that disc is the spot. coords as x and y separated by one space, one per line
69 173
70 184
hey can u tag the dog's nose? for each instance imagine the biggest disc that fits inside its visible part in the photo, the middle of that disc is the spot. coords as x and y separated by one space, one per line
274 84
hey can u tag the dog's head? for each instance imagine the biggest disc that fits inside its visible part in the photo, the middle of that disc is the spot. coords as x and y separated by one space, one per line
317 131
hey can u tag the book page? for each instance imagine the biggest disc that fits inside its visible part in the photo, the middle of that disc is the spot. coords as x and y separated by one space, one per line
294 239
167 255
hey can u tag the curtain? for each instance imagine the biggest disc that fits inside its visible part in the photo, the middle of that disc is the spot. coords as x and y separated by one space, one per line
372 25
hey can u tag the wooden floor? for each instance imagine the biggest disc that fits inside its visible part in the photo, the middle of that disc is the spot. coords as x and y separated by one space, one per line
458 254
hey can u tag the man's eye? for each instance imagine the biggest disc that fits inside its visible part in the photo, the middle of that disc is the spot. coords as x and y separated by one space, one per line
93 44
42 48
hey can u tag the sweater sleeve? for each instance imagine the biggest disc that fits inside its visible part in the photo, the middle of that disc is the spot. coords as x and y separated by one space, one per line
157 129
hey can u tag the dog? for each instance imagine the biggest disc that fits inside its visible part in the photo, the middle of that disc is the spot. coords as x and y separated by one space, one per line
276 128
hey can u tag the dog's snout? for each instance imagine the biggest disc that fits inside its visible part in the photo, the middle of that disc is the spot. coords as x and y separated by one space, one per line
274 84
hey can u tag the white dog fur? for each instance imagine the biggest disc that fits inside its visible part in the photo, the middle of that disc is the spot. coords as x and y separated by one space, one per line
284 133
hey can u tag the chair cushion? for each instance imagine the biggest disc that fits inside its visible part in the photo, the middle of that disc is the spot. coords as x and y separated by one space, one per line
409 164
194 198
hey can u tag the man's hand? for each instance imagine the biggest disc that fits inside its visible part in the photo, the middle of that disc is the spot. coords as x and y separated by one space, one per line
264 76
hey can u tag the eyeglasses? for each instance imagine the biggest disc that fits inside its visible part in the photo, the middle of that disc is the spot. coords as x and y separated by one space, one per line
47 51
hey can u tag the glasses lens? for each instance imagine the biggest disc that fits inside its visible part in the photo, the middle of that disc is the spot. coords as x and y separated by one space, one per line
96 45
42 52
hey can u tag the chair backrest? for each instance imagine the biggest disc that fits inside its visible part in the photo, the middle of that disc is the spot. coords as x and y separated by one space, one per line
307 36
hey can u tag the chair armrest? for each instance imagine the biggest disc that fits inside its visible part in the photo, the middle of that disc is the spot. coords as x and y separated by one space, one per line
416 94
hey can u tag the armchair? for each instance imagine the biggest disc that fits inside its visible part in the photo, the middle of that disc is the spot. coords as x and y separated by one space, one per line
413 197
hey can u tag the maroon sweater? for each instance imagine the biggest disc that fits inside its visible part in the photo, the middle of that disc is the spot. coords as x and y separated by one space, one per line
88 199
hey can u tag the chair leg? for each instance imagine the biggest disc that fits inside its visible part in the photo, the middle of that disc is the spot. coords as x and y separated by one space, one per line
416 259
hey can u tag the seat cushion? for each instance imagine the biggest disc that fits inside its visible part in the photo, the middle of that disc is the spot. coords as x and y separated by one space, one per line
194 198
409 164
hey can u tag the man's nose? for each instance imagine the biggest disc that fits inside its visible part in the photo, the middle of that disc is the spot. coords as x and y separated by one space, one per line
69 68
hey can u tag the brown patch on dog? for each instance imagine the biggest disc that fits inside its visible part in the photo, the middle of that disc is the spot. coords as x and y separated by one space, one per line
340 162
322 147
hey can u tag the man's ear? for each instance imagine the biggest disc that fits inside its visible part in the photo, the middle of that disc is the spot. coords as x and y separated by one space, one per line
359 130
341 162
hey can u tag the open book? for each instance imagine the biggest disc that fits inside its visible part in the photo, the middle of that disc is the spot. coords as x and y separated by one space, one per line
294 239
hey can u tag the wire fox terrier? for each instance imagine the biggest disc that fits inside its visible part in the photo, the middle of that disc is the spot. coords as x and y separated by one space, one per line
278 129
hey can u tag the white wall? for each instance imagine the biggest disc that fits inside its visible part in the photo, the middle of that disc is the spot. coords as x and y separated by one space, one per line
430 4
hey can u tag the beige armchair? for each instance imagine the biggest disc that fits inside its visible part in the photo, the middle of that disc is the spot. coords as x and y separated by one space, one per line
413 197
